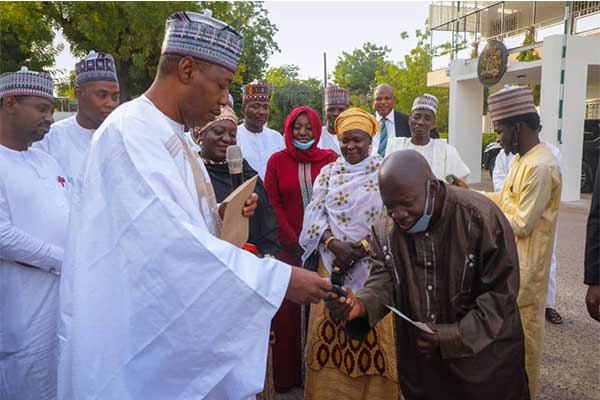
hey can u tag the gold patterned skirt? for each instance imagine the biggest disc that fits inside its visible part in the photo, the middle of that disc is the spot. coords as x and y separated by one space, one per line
338 367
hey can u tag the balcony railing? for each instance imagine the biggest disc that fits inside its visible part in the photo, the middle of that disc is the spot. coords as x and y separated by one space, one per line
461 29
443 12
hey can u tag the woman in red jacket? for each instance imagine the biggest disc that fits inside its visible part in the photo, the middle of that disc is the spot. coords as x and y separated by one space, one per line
289 180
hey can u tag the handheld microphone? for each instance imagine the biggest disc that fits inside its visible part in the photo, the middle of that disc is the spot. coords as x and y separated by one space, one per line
235 162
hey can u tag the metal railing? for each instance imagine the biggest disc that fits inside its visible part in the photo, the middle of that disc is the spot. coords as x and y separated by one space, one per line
444 12
462 46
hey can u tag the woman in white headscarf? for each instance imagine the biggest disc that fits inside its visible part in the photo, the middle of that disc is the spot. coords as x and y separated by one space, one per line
336 227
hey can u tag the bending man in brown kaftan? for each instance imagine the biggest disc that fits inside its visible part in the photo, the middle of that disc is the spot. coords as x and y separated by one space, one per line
447 257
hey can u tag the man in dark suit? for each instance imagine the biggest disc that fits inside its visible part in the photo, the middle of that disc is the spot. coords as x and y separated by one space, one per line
592 253
392 122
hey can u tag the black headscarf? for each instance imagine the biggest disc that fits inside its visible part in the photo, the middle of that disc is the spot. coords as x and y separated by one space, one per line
263 225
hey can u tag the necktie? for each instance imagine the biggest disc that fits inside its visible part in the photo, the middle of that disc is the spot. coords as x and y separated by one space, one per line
382 137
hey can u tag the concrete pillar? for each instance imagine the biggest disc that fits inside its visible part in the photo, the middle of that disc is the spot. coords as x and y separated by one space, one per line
581 52
464 118
486 125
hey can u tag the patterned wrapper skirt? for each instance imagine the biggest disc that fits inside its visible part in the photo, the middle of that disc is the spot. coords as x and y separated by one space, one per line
341 368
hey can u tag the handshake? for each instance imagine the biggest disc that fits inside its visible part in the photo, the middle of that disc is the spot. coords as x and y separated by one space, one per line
308 287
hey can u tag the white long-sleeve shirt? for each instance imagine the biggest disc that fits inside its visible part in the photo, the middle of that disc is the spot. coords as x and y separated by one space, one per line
68 143
390 123
501 167
257 148
443 158
34 213
329 142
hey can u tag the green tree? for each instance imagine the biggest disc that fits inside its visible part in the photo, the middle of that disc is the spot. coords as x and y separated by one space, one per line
356 71
66 87
26 37
409 79
364 101
133 32
287 92
531 55
281 75
251 19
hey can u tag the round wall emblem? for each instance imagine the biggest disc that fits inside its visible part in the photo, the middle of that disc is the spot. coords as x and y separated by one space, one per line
492 63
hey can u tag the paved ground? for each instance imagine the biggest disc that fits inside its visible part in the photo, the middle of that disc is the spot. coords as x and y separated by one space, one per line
571 359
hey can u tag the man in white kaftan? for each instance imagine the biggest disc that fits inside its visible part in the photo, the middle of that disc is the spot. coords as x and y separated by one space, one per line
34 213
337 100
97 93
328 141
153 304
442 157
258 142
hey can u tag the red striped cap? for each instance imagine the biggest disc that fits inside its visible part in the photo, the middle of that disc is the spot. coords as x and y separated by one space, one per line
511 101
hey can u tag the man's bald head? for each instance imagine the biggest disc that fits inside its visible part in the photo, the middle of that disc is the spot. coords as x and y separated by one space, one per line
403 184
384 87
384 99
404 168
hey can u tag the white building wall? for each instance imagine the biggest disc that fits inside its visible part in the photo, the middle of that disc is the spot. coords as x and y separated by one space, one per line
464 117
581 52
466 100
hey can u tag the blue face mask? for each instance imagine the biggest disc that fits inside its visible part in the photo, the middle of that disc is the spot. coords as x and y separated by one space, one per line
423 222
304 146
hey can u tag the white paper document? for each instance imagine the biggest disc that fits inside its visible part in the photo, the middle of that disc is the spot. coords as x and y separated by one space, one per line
422 326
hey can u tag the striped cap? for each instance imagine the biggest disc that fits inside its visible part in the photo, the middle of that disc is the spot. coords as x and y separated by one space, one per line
26 83
204 38
96 67
336 95
425 102
255 92
511 101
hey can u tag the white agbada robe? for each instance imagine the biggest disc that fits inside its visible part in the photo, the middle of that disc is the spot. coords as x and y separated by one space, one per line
501 167
153 306
329 142
34 213
257 148
443 158
68 143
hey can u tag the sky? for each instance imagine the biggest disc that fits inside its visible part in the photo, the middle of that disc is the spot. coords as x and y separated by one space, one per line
307 29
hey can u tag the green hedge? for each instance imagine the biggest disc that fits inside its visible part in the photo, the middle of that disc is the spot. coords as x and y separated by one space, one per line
487 138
